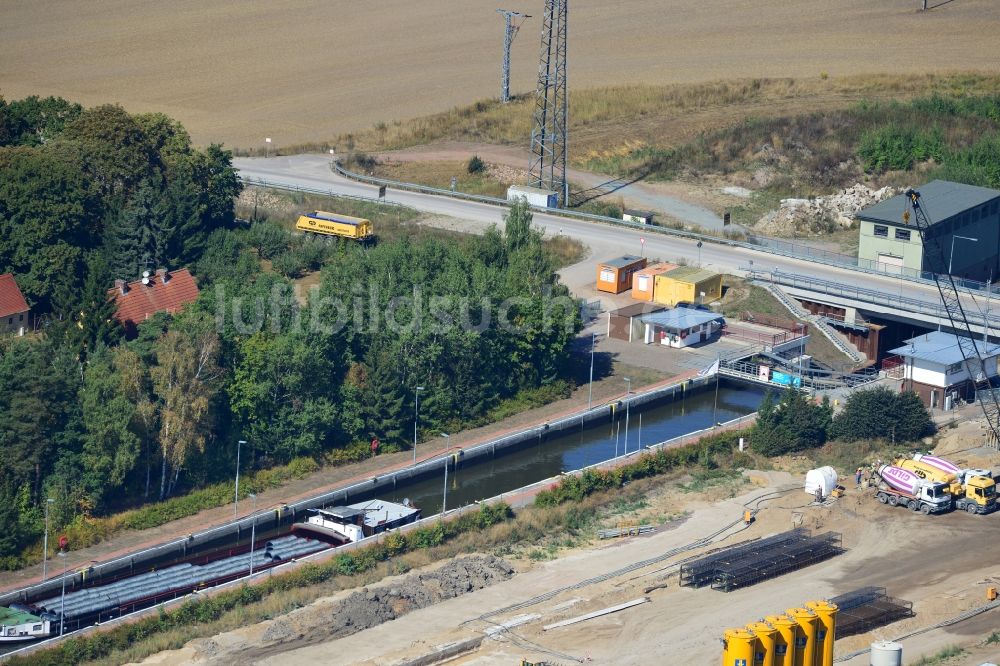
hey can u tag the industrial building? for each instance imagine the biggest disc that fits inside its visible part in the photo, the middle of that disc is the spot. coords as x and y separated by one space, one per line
965 222
687 284
615 276
644 281
933 368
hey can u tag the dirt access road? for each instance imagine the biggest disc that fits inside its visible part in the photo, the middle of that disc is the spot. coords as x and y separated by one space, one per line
687 203
305 70
942 563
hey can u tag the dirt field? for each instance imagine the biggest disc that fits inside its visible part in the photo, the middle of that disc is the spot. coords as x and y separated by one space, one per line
915 557
304 70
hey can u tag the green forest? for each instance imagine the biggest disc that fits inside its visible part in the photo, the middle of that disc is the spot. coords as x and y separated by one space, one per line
101 424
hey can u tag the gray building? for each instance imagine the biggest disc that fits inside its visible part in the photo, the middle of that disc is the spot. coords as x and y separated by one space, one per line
965 224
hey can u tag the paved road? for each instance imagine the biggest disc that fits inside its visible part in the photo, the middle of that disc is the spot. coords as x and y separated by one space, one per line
313 171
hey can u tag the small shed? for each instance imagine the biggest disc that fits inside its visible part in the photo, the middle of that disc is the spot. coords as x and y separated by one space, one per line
687 284
615 276
626 323
637 216
533 195
681 327
644 281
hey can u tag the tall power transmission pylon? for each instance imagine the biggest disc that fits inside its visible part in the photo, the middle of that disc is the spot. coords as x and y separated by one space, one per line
510 32
548 134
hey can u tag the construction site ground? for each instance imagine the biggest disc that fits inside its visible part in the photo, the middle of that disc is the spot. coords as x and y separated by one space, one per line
941 563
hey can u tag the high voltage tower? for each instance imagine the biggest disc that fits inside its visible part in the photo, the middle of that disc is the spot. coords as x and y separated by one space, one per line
510 32
548 134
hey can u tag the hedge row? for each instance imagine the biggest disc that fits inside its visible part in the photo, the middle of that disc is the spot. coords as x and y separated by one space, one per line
208 609
575 487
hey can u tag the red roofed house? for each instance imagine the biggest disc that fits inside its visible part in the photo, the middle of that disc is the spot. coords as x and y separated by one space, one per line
166 291
13 307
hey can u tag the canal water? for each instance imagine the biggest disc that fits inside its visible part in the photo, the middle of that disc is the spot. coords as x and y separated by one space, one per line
651 424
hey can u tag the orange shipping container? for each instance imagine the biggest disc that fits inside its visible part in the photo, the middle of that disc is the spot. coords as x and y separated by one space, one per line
644 281
615 276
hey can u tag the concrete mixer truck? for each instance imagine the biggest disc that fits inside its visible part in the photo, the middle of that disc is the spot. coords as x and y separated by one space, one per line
973 490
900 487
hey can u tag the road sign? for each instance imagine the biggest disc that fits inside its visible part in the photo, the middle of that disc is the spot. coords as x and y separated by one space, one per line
381 192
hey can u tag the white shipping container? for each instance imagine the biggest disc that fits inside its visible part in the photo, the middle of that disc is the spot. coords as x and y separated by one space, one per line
534 195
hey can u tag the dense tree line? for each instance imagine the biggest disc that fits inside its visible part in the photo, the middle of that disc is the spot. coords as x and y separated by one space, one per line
99 423
795 422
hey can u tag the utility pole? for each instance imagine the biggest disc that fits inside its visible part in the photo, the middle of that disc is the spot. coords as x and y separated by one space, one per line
236 499
628 403
547 169
590 389
45 543
510 32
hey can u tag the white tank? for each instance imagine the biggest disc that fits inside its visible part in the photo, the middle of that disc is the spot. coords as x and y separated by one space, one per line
886 653
822 477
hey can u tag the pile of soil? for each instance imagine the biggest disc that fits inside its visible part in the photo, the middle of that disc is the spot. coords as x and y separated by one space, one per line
329 619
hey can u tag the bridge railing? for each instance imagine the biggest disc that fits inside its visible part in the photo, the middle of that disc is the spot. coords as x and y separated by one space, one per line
865 295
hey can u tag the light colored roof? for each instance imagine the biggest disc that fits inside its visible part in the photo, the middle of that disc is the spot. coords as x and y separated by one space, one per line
622 262
940 348
378 511
11 299
940 199
681 318
515 189
690 274
140 301
656 269
9 617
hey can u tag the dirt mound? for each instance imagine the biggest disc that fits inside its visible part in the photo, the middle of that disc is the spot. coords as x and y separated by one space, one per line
333 618
821 214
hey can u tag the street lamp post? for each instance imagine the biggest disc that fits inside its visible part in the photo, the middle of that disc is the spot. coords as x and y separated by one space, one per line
416 419
951 257
253 529
62 602
236 498
45 541
628 403
590 390
444 498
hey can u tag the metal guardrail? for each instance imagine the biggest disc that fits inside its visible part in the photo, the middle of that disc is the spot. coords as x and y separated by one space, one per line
862 294
754 243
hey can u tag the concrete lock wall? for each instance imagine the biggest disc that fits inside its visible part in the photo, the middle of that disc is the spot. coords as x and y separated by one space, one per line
290 513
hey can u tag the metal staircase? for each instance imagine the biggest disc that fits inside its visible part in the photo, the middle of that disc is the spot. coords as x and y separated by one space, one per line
817 322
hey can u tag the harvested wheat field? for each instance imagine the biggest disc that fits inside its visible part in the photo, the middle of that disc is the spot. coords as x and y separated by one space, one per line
305 70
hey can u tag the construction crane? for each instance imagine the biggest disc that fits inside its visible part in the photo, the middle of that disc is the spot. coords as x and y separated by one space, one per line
974 358
510 32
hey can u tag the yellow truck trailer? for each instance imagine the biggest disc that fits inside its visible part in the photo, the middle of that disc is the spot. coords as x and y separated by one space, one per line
332 224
